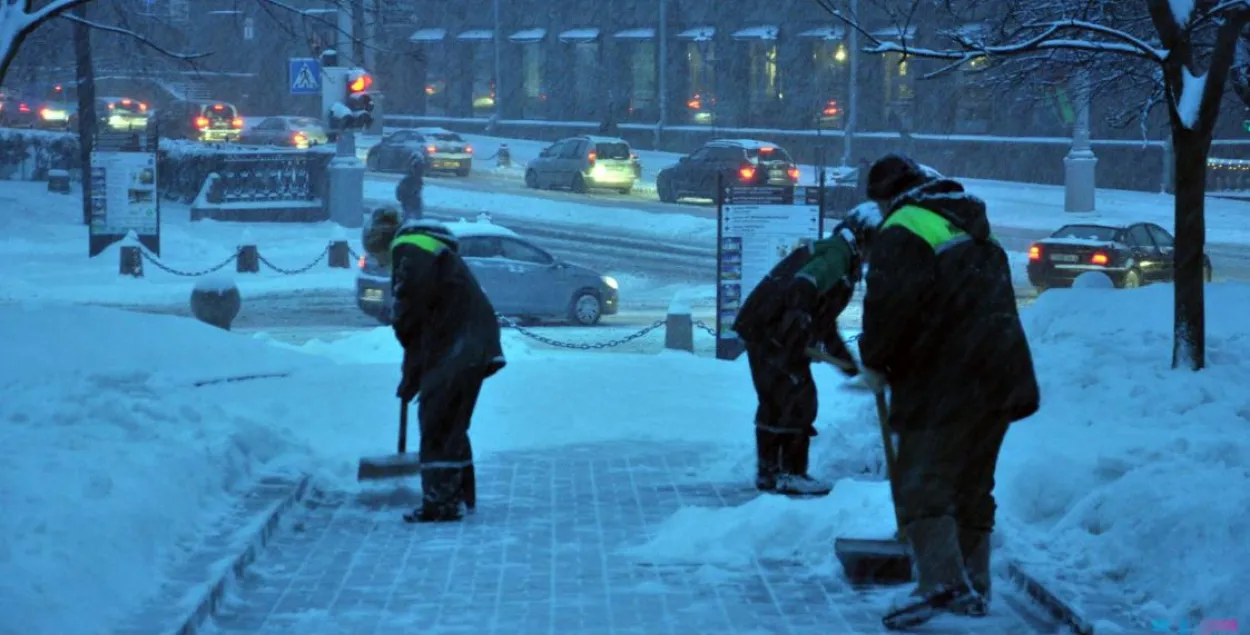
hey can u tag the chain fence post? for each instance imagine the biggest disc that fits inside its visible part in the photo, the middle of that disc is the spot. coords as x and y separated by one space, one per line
131 261
249 255
679 326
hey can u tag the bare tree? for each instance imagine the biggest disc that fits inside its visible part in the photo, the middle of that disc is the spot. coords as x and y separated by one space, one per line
1171 40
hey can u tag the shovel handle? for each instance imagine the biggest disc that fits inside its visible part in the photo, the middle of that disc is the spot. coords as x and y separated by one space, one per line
403 426
822 356
887 442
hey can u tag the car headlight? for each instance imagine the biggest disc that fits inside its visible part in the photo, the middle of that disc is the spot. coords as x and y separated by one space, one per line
610 282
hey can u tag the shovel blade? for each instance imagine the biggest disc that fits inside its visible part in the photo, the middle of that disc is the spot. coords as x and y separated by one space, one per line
390 466
880 561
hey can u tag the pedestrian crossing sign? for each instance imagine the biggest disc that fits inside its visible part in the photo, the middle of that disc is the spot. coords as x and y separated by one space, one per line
305 76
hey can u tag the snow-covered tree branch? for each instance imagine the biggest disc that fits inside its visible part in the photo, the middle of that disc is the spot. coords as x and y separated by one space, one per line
1183 51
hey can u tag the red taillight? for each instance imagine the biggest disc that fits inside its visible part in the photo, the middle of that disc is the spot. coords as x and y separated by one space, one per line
468 149
694 104
143 107
591 157
746 173
431 149
360 262
125 102
299 138
201 123
237 123
766 150
45 113
23 108
794 174
219 106
1035 253
1099 258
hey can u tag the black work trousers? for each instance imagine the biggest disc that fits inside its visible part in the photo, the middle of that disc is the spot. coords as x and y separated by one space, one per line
445 411
787 410
947 469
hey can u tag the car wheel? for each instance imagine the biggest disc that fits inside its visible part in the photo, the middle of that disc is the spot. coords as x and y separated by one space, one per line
531 179
1132 279
586 308
626 190
579 184
664 190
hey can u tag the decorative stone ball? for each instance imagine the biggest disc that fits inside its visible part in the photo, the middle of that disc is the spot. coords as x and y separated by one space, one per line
216 301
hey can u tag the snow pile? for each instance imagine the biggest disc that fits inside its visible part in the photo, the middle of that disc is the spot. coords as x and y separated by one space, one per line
1132 479
114 463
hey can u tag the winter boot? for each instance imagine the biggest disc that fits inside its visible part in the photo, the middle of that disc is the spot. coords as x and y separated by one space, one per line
975 546
942 584
801 485
767 459
468 486
441 496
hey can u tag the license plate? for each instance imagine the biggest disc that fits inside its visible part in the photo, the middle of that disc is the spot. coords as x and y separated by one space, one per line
776 174
373 295
443 165
1063 258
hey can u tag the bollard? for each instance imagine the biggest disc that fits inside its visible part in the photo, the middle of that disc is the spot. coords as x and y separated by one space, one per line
216 301
340 256
249 259
503 158
58 181
679 327
131 263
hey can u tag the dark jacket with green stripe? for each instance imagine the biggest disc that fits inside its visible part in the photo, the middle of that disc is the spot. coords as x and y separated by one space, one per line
440 314
833 265
940 316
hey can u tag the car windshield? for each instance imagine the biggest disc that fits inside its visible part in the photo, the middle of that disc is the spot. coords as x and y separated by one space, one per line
443 136
1087 232
306 123
219 111
611 150
767 153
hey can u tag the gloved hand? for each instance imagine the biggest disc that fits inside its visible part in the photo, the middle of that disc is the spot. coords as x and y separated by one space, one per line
410 382
873 379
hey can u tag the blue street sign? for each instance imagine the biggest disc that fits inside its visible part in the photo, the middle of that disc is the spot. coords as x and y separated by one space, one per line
305 76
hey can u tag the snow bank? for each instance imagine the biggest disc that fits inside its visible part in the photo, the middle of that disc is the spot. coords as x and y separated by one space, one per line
113 462
1132 482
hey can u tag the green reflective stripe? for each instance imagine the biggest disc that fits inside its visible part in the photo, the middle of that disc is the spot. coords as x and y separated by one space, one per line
929 226
428 243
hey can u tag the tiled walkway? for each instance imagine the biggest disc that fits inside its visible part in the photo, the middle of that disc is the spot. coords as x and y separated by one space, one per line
544 555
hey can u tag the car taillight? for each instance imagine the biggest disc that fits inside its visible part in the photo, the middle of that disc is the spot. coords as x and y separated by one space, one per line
143 107
201 123
125 102
1099 258
23 108
694 104
360 262
216 106
431 149
299 138
1035 253
237 123
45 113
794 174
746 173
468 149
591 157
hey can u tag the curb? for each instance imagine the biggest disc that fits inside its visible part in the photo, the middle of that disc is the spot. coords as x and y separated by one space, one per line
215 593
1053 604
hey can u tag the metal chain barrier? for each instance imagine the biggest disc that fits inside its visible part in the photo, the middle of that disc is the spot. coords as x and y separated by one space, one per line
700 324
187 274
581 346
291 272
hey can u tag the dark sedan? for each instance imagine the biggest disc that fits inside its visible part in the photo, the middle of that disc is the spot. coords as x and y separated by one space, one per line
1131 255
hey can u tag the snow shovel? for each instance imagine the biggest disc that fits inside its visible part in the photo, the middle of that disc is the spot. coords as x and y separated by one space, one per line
878 561
400 465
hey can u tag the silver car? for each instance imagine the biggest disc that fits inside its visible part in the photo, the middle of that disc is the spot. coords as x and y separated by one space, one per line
295 132
585 163
442 149
521 279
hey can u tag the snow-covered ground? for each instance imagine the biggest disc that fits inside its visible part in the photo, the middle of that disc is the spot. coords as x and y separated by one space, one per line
1131 482
1015 205
44 247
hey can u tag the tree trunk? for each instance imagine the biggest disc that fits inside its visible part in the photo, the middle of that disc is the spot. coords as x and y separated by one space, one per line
85 87
1189 318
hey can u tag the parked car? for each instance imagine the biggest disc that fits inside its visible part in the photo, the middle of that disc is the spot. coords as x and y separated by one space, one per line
16 112
521 279
296 132
1131 255
443 150
585 163
728 161
200 120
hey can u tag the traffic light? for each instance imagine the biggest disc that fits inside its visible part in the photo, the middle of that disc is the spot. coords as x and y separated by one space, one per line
358 101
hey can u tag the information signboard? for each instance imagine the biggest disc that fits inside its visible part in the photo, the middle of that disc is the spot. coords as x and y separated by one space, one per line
756 228
123 199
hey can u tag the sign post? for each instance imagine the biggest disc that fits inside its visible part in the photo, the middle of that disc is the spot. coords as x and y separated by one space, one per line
756 228
122 181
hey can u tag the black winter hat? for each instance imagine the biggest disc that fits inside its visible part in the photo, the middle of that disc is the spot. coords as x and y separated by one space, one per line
892 175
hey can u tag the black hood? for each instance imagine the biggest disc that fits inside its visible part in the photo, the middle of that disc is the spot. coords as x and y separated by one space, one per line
948 199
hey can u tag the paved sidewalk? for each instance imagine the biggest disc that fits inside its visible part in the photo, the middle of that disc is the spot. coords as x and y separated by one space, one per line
543 555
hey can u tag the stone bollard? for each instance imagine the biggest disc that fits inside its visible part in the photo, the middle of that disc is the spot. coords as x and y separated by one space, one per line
503 158
58 181
679 326
215 301
249 257
340 256
131 262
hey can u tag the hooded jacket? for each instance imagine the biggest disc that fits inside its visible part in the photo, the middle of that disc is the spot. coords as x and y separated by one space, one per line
940 317
441 316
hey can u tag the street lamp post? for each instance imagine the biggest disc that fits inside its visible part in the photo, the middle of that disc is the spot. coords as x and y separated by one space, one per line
1080 164
852 102
498 62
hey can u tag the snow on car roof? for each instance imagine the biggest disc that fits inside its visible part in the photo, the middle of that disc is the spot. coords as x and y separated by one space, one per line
465 228
433 130
1076 242
598 139
753 144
